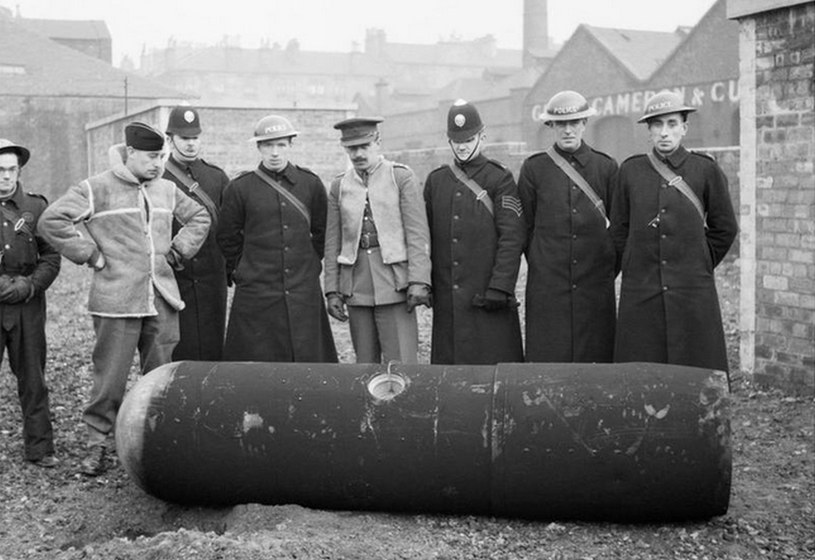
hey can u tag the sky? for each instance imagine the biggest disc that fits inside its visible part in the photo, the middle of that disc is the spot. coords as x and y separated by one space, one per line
333 25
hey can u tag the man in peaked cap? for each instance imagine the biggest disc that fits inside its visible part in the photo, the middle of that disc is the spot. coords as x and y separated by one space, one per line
377 254
566 192
28 266
477 235
201 279
134 300
672 223
272 234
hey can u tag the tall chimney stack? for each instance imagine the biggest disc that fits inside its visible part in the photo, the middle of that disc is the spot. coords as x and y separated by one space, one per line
536 31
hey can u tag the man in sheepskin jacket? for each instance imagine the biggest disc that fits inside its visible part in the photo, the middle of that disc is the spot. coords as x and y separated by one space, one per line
128 213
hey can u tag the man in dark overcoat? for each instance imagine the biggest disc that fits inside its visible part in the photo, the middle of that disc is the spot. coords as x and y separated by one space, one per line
28 266
566 193
477 236
201 279
672 223
272 234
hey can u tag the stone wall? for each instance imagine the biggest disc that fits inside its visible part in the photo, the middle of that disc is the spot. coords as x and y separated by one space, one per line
226 137
53 128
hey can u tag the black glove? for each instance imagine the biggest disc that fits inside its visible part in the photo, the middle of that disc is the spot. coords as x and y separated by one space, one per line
493 300
20 290
418 294
335 305
175 259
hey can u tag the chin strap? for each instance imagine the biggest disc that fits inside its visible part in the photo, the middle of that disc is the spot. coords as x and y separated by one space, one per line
472 153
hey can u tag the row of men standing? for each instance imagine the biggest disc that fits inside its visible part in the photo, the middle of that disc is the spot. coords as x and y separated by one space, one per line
268 230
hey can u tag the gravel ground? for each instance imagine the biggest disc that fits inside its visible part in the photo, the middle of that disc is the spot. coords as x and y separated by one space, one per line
59 514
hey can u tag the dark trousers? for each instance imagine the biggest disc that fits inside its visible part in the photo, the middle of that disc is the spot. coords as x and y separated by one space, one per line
23 335
117 339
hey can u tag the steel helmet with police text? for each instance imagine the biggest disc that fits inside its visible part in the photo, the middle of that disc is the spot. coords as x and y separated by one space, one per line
273 127
22 153
463 121
184 121
567 106
664 103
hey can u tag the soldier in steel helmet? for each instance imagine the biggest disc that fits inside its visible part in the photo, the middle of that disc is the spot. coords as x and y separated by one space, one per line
566 192
201 279
127 212
672 223
477 233
272 234
28 266
377 248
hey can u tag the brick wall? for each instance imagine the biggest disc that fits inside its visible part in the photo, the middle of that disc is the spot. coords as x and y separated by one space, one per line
777 73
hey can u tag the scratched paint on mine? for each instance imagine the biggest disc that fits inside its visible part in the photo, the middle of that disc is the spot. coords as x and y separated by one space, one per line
251 421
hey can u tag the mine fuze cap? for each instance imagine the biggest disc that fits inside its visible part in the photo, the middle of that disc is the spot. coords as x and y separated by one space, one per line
567 106
184 121
144 137
273 127
463 121
22 153
664 103
358 130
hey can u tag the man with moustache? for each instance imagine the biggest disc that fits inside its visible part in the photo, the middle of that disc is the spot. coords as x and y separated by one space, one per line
377 248
566 193
672 223
127 213
477 234
272 235
28 266
201 279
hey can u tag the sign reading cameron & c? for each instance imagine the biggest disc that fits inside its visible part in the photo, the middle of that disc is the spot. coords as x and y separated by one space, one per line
633 102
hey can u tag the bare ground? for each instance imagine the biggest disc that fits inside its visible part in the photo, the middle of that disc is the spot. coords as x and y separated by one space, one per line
60 514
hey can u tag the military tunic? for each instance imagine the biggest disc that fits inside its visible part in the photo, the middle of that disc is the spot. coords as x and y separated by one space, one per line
471 251
669 308
26 253
274 256
202 281
570 305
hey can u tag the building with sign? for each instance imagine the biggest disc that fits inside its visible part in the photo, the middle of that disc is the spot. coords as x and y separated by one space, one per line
618 70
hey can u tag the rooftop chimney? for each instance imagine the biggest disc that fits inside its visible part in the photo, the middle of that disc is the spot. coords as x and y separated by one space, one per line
536 31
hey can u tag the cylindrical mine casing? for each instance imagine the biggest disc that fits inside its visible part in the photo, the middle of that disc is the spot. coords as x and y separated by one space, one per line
558 441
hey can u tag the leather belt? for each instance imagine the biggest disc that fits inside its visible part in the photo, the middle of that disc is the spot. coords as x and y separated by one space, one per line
368 241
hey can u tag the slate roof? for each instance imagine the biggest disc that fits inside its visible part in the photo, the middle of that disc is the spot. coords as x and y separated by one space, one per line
31 64
67 29
641 52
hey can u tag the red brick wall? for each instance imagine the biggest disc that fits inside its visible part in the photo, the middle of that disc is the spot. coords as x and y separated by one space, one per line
785 198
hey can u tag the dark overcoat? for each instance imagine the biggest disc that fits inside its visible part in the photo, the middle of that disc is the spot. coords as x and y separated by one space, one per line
274 257
472 250
669 308
570 305
26 253
202 282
